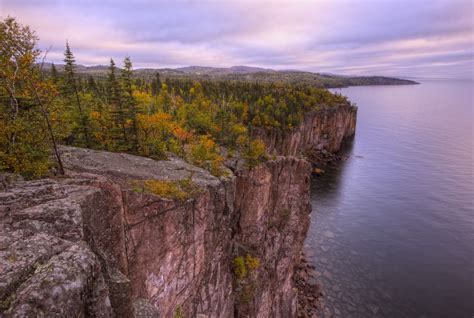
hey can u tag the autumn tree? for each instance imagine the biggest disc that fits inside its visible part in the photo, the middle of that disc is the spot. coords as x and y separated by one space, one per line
25 104
155 131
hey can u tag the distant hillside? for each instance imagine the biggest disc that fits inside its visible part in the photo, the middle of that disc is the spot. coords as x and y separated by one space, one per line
250 74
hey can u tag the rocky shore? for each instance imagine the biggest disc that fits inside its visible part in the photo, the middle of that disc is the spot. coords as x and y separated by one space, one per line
309 292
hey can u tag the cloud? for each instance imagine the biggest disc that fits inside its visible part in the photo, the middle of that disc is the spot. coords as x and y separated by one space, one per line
398 38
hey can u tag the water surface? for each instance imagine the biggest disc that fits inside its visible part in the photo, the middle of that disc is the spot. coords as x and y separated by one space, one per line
392 228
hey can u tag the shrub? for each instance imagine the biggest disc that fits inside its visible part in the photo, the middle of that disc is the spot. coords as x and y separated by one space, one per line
254 153
240 270
245 265
171 189
204 153
252 262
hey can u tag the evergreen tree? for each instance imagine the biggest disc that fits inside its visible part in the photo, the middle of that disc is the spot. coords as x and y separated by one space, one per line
156 84
54 74
128 100
118 113
71 90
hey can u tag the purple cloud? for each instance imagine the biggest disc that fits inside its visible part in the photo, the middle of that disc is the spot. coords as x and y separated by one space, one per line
394 38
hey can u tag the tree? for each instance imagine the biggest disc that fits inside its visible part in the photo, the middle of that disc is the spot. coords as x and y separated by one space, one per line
128 100
154 132
25 101
254 153
54 74
156 84
118 113
204 152
71 90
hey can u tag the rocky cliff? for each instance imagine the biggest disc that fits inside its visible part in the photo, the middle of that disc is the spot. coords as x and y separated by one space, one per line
321 129
122 235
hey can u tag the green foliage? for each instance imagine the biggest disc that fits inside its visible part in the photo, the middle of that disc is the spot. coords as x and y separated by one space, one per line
71 92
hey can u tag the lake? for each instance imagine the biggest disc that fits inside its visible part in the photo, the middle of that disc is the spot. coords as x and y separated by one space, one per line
392 228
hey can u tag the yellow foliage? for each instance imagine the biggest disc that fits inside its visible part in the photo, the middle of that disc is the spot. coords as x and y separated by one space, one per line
144 100
244 266
171 189
252 262
255 153
155 133
205 153
240 270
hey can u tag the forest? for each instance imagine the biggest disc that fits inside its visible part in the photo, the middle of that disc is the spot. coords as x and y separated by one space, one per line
44 106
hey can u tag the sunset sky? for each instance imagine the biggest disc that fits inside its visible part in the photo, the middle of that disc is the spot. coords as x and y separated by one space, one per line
394 38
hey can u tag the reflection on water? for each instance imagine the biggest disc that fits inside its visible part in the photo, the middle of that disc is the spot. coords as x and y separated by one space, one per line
392 227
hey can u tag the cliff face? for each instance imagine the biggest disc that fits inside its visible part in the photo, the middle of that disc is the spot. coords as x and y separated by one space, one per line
177 252
272 203
322 129
97 244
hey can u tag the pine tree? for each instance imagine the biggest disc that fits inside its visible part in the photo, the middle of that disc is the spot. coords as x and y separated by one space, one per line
128 100
118 113
71 90
54 74
156 84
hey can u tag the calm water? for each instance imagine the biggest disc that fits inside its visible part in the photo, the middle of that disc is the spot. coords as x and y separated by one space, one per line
392 232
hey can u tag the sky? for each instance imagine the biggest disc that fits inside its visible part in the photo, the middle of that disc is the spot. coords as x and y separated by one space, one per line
416 38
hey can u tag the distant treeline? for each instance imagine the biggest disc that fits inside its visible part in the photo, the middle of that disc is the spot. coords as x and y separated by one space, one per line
250 75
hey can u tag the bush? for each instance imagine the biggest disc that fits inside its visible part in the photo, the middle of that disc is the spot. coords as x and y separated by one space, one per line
244 266
252 262
255 153
240 270
171 189
204 153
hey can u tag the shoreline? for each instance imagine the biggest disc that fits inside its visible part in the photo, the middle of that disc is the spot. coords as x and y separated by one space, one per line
310 295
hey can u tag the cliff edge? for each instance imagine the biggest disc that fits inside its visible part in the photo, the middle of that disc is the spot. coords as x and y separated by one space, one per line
124 236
